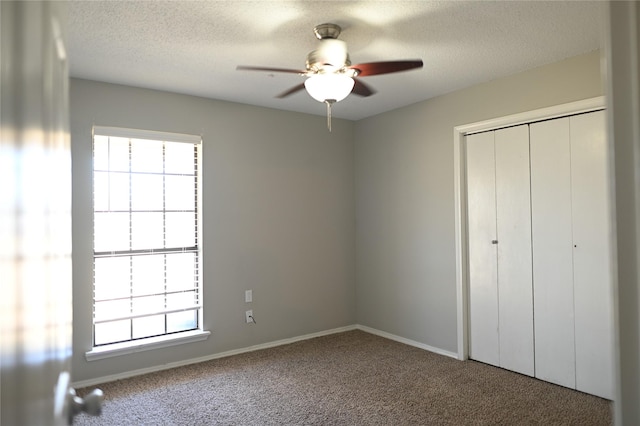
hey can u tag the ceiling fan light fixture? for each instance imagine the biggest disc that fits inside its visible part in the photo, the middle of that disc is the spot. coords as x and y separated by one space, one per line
324 87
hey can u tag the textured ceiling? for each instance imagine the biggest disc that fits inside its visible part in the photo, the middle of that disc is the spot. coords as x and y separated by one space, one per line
193 47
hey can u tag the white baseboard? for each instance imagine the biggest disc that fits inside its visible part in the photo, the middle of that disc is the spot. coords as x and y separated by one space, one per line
133 373
407 341
128 374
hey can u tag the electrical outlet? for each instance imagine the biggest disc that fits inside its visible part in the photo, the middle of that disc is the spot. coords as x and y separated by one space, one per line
249 316
248 296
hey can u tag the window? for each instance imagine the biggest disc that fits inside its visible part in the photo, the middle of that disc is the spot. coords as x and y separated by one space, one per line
147 235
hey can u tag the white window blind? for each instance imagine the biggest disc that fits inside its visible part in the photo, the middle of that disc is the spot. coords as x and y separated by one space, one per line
147 279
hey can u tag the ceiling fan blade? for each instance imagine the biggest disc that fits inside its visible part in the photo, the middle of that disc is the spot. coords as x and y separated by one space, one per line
291 91
385 67
361 89
287 70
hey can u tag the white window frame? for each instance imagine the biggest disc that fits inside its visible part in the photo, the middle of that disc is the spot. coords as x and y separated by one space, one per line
178 338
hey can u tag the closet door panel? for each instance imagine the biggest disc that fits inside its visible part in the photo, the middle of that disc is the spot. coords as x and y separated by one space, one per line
591 257
483 291
515 293
552 251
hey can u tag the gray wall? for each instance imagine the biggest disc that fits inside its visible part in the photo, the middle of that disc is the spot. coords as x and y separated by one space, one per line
405 247
278 206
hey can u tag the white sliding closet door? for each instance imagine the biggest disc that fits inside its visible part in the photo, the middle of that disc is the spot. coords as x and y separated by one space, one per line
483 266
591 255
513 209
501 310
552 251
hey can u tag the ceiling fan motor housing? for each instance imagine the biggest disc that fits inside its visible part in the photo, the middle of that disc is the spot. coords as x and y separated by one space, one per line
330 57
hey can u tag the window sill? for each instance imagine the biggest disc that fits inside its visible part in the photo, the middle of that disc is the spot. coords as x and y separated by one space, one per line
125 348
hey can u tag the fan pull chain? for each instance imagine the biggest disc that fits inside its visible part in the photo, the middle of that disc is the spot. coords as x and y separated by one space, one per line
329 102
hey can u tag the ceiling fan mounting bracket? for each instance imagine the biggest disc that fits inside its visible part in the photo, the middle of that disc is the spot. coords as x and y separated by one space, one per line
323 31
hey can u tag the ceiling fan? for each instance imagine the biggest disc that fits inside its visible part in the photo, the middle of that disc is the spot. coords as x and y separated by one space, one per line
331 76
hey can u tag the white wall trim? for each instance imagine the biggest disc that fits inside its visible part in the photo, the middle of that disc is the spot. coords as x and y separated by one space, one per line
459 153
133 373
563 110
407 341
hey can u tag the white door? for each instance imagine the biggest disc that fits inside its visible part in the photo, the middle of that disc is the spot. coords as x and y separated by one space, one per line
483 261
513 213
500 293
552 251
591 255
35 214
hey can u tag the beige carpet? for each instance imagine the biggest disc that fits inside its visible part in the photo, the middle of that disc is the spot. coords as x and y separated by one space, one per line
351 378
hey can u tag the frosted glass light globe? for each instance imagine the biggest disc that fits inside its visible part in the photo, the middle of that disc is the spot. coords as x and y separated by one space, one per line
323 87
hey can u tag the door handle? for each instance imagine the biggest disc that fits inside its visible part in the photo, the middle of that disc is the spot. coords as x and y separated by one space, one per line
90 404
67 404
494 241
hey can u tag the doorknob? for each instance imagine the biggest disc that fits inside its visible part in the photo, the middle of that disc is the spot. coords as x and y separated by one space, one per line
67 404
494 241
90 404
